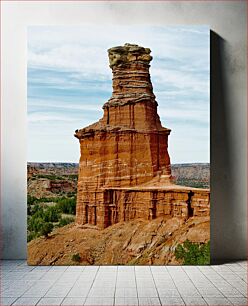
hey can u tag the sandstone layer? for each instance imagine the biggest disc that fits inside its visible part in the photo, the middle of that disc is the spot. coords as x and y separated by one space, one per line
124 168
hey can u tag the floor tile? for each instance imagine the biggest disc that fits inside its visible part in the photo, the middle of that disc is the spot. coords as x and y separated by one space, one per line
91 269
58 268
73 301
165 284
75 269
189 293
99 301
217 301
106 292
108 269
229 291
125 283
171 301
42 268
121 301
149 301
38 290
4 301
145 283
104 283
210 292
238 301
126 292
79 291
27 301
165 292
194 301
58 291
50 301
147 292
126 269
13 292
51 276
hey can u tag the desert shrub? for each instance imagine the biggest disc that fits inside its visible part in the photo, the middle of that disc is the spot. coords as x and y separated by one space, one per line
193 253
72 176
31 236
44 200
46 228
65 221
30 202
37 210
76 257
67 205
31 199
192 183
52 214
35 224
50 176
71 194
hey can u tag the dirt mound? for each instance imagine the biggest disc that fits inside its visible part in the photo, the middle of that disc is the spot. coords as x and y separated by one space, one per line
136 242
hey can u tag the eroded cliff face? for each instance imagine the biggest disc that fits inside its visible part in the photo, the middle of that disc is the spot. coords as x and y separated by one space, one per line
127 148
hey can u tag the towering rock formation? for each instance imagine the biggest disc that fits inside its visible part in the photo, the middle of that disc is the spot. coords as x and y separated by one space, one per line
124 160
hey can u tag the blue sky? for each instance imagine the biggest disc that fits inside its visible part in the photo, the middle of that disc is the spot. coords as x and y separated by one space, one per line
69 80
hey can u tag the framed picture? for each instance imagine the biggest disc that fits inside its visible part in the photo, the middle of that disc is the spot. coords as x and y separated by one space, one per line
118 156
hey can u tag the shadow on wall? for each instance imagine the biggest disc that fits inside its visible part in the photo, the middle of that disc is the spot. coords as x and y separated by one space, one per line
226 242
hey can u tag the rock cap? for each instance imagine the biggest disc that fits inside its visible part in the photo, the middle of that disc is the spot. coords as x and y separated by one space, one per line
127 54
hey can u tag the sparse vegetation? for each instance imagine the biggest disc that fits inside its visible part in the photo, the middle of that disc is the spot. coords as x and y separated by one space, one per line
67 205
50 204
193 253
76 257
65 221
54 177
46 228
31 236
41 215
192 183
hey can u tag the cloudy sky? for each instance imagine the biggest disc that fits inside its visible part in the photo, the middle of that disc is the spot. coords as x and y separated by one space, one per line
69 80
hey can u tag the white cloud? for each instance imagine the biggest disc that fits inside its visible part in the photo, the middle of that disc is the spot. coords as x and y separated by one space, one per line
38 117
69 106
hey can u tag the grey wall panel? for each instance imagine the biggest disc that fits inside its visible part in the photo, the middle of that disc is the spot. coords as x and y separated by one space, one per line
227 19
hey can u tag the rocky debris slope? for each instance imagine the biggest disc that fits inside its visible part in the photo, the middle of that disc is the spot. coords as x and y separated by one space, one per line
136 242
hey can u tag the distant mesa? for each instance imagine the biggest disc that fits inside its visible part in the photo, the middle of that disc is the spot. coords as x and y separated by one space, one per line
124 168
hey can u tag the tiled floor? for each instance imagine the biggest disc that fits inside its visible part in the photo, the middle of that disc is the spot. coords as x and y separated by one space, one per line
119 285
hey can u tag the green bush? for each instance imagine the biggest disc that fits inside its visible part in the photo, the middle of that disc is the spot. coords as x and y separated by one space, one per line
67 205
76 257
32 235
65 221
52 214
31 200
35 224
193 253
46 229
72 176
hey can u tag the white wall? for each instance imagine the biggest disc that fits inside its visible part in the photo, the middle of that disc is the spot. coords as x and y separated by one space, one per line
228 104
